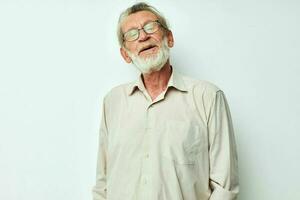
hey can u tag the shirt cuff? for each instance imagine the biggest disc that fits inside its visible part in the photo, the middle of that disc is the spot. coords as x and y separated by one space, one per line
220 193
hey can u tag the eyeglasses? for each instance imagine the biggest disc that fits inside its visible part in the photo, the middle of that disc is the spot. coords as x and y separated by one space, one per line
149 28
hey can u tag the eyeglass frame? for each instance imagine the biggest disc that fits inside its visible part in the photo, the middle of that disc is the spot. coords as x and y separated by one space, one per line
138 29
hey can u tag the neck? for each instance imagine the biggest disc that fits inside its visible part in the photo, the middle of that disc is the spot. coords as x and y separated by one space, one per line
156 82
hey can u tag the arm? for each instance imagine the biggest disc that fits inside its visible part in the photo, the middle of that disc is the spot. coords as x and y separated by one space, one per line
222 151
99 190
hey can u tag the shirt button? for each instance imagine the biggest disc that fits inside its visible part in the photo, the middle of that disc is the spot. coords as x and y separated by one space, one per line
145 181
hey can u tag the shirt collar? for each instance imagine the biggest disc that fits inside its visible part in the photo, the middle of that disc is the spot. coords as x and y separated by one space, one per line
175 81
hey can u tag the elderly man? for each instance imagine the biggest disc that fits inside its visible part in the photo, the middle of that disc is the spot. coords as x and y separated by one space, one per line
165 136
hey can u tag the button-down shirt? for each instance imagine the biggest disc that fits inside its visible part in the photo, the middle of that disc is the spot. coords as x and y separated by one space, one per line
180 146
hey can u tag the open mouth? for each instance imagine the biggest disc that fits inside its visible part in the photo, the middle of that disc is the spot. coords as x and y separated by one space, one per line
148 48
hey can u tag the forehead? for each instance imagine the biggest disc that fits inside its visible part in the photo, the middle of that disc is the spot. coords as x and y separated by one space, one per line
137 19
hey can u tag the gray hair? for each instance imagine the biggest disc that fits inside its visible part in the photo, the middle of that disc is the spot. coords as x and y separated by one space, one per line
134 9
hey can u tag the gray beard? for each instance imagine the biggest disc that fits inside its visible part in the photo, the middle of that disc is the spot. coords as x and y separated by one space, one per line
152 63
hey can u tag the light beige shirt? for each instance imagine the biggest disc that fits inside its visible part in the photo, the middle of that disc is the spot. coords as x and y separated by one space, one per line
180 146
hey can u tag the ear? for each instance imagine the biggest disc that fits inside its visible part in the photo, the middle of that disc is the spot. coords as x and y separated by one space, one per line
170 39
125 55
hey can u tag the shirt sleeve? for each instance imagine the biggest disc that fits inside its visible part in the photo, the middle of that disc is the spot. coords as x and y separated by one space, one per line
99 191
223 176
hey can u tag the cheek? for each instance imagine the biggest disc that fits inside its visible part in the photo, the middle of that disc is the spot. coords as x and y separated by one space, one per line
132 48
158 37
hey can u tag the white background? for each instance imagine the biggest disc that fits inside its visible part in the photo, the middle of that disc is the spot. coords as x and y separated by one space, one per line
59 58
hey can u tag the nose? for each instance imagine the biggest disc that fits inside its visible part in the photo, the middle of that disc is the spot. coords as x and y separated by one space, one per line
143 35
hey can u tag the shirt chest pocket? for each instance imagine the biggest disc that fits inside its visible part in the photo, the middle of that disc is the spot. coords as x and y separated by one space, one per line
184 142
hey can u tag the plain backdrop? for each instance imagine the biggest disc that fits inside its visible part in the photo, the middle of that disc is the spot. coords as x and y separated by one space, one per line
58 58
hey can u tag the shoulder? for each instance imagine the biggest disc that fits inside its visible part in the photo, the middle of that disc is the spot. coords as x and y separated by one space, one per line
205 93
117 92
201 87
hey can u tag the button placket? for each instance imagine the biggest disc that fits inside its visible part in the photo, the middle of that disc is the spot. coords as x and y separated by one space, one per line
146 165
147 138
149 119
